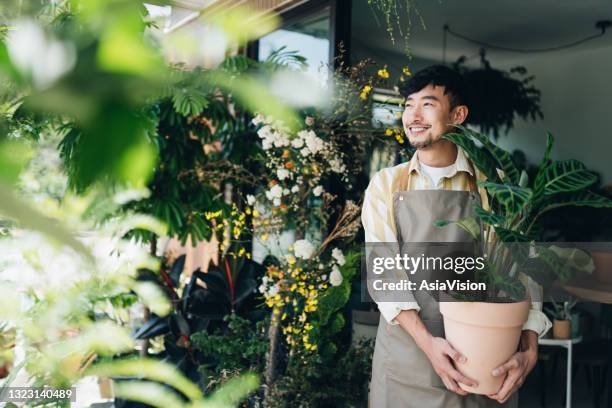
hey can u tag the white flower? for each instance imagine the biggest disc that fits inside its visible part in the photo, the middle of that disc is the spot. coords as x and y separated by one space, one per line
250 199
324 277
305 152
335 277
313 142
298 142
295 189
286 191
282 174
275 192
276 202
258 119
303 249
336 165
317 191
338 256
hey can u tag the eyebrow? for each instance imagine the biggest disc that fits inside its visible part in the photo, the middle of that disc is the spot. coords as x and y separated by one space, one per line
431 97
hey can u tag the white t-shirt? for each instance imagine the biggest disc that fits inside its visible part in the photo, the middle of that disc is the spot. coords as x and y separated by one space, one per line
435 173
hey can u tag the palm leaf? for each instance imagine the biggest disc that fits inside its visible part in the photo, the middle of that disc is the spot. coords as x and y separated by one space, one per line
513 198
481 158
567 176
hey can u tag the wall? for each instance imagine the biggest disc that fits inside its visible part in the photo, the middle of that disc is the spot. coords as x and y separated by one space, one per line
577 105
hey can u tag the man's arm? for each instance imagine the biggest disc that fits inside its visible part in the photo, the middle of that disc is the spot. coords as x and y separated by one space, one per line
381 240
438 351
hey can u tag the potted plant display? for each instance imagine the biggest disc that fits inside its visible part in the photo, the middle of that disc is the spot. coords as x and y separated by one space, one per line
562 319
485 326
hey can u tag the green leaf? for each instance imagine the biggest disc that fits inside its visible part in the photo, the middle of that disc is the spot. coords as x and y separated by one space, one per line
539 185
149 393
567 176
150 369
232 392
502 157
513 198
481 158
487 216
577 199
470 225
13 157
16 209
506 235
524 180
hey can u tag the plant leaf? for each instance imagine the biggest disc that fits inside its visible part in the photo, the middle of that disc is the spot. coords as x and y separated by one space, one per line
513 198
567 176
577 199
481 158
150 369
502 157
487 216
470 225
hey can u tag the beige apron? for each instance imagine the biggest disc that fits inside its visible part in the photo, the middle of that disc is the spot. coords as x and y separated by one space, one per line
402 375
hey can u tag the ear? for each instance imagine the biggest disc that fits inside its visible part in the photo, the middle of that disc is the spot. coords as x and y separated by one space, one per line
459 114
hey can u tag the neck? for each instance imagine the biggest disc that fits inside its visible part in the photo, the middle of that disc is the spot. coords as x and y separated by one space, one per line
440 154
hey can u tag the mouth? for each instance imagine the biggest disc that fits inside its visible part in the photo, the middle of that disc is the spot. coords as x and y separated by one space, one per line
418 130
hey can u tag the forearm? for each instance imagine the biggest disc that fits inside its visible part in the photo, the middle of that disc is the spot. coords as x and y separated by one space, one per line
410 321
529 346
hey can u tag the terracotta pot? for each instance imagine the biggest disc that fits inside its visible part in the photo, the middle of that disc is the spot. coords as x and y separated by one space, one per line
562 329
487 334
603 266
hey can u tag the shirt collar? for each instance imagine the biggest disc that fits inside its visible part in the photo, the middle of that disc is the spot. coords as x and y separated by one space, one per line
462 163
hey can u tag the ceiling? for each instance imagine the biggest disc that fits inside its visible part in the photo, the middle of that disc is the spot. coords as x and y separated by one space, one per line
509 23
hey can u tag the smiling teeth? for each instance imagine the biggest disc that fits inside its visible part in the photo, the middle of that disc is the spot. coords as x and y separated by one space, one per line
417 129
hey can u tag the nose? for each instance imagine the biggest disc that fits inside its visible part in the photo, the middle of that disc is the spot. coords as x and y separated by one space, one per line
413 114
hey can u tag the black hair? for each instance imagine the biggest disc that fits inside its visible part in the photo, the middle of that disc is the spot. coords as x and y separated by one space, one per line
438 75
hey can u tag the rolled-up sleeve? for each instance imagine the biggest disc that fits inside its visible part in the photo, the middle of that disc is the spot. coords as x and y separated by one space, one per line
537 320
379 229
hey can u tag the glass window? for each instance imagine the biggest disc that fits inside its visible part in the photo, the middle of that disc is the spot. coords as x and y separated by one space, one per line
309 36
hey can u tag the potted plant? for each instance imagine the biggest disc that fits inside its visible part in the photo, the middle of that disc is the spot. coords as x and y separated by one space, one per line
562 319
485 326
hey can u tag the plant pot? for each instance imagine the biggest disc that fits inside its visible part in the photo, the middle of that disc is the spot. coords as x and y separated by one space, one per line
562 329
487 334
603 266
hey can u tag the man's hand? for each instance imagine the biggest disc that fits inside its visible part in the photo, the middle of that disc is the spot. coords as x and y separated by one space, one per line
440 352
518 367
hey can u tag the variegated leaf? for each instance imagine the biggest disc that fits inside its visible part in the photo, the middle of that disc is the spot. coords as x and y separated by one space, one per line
513 198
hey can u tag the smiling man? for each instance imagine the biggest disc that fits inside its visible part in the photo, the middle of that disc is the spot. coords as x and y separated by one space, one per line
413 363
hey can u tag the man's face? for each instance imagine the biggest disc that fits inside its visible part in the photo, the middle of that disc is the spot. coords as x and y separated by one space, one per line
427 116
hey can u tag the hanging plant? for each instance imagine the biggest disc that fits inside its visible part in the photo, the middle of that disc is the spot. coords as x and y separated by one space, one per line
497 96
391 11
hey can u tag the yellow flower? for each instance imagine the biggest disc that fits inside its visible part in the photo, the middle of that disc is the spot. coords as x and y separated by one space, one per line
264 237
365 92
406 71
383 73
388 132
255 213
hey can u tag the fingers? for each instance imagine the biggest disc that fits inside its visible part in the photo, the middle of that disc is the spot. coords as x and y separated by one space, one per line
458 377
504 368
512 383
454 354
452 385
